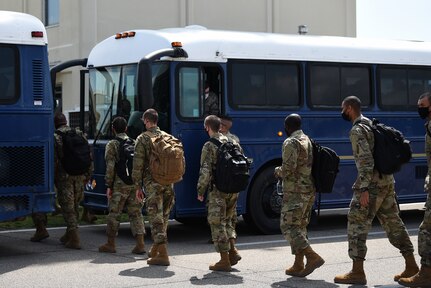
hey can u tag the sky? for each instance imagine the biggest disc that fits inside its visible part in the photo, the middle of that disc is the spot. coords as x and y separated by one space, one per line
394 19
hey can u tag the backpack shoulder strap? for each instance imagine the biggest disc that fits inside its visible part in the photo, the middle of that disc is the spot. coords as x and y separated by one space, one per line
216 142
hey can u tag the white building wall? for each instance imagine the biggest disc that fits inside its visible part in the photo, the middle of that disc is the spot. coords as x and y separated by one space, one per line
84 23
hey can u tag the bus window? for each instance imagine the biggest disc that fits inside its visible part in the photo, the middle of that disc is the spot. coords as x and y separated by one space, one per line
325 86
282 87
330 84
8 75
264 85
104 93
393 88
419 83
189 102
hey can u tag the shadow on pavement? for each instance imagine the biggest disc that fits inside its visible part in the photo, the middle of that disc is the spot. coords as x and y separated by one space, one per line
148 272
217 278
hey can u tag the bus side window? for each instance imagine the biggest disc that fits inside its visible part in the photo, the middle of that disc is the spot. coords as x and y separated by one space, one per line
189 93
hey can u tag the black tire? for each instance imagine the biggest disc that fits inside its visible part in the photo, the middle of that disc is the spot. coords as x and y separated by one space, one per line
264 204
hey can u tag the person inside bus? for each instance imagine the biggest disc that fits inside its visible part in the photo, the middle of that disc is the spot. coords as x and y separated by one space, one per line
373 196
211 103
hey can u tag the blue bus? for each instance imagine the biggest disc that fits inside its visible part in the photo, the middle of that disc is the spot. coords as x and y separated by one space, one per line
26 118
259 78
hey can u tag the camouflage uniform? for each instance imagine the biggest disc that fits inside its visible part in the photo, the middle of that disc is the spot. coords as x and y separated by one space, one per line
221 206
159 198
211 104
70 188
122 194
298 189
424 236
382 202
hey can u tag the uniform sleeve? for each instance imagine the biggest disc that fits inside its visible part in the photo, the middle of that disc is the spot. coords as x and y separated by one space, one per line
57 155
205 171
139 159
290 160
110 159
363 157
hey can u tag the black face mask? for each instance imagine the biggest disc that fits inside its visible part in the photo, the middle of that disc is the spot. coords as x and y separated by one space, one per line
345 116
423 112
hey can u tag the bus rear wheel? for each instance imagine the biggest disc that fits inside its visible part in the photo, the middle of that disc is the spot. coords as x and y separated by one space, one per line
264 204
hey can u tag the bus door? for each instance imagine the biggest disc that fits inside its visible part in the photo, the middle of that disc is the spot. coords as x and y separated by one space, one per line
198 92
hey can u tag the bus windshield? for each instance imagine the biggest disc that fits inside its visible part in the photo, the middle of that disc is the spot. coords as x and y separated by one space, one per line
113 92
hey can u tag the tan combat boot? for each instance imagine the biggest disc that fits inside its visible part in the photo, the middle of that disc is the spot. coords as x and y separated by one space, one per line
161 258
40 234
64 238
298 265
140 246
356 276
314 261
73 242
223 264
411 268
154 250
108 247
234 256
421 279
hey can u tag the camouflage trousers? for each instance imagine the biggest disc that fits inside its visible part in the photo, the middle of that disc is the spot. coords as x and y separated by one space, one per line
222 218
159 200
124 195
294 219
424 236
382 204
39 219
70 194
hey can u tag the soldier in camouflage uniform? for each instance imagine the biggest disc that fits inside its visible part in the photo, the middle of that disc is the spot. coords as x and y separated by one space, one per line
40 221
232 217
423 277
220 205
373 195
160 198
210 102
70 188
120 194
298 196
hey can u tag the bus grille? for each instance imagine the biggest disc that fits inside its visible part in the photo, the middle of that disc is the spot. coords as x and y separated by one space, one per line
14 203
22 166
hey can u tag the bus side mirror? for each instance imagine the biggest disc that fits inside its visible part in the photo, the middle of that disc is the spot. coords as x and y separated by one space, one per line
145 85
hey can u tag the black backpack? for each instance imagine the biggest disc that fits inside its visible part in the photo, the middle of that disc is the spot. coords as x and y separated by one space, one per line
325 167
232 168
76 152
391 149
124 166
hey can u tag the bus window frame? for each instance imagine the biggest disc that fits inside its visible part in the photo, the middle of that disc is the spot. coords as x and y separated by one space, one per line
200 66
340 65
300 74
406 68
17 63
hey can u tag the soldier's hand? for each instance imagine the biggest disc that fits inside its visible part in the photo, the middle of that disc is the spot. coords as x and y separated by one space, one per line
201 198
109 193
427 184
365 199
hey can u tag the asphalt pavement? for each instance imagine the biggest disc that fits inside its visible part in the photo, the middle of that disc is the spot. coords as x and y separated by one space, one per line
264 258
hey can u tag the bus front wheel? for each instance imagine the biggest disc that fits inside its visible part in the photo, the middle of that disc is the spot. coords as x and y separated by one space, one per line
264 204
